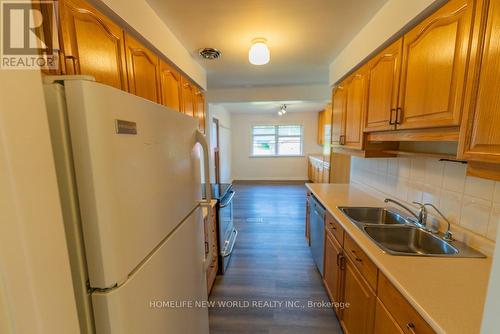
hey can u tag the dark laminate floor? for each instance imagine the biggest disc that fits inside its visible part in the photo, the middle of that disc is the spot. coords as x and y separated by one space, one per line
271 262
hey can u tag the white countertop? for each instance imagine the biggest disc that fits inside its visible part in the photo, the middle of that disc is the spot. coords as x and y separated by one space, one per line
449 293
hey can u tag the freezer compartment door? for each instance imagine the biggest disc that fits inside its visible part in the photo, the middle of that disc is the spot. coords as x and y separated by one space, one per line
137 172
174 273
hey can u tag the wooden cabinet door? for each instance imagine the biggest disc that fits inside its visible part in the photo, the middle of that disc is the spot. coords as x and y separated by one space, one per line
434 65
321 122
188 97
358 317
92 44
308 224
355 110
200 109
143 70
383 87
384 322
339 98
480 133
170 86
332 276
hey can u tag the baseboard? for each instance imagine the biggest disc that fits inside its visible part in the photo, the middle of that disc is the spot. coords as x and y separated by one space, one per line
270 181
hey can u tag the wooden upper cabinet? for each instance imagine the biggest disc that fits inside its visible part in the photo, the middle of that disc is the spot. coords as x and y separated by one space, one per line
321 121
170 86
355 109
480 135
383 87
433 70
92 44
339 97
200 105
143 70
324 125
333 272
188 91
358 317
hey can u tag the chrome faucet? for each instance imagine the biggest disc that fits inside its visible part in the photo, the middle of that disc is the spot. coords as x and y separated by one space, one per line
420 216
447 235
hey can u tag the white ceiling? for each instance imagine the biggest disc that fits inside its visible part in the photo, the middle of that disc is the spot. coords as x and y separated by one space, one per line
303 36
274 107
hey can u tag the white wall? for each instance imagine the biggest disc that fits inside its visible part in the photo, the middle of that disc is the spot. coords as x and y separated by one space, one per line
246 167
388 21
224 117
471 204
140 16
36 291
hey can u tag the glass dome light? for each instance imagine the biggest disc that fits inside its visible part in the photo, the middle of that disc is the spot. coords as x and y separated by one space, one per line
259 53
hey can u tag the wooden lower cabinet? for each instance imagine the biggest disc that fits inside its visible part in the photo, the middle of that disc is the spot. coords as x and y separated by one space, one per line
332 277
404 314
317 170
370 303
358 317
384 322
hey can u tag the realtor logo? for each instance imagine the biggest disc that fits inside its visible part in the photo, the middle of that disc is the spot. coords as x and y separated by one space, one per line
29 35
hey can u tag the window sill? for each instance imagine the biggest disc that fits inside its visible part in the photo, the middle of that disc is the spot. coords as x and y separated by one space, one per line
277 156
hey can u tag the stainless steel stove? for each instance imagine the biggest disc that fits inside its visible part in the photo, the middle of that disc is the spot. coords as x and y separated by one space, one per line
226 232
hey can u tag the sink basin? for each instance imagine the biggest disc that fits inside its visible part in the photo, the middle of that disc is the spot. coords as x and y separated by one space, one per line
408 240
396 235
367 215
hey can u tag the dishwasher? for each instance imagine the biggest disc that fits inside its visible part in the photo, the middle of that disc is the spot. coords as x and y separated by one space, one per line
317 231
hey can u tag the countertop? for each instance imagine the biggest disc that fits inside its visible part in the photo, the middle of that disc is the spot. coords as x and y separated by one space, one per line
449 293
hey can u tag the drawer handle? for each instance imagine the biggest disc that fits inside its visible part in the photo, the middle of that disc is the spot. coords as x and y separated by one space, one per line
411 327
355 256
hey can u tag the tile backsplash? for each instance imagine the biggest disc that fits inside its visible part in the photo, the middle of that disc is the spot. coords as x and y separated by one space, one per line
471 204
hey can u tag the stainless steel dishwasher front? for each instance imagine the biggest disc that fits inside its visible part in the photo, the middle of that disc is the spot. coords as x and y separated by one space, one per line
317 225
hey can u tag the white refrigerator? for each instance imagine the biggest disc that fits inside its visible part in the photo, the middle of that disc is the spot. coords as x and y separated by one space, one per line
130 186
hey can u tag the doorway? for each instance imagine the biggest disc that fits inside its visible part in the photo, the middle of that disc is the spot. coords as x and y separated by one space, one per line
216 147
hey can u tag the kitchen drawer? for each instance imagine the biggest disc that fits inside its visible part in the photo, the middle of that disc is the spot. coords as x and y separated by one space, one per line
405 315
334 226
365 266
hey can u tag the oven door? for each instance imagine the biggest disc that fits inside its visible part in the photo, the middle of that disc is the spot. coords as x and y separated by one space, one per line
227 232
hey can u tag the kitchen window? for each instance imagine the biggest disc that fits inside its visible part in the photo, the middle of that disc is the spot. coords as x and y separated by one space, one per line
277 140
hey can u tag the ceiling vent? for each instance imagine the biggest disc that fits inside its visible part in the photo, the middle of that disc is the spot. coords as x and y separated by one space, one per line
209 53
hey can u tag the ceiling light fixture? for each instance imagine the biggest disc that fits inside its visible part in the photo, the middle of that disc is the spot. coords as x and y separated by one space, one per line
282 110
259 52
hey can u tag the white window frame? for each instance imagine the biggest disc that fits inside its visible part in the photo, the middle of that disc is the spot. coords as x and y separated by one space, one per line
276 141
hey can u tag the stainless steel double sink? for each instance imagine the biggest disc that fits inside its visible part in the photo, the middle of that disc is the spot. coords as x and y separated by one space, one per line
395 234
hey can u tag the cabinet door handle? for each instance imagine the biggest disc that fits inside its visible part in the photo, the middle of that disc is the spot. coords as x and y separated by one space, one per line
342 261
411 327
342 140
399 115
391 122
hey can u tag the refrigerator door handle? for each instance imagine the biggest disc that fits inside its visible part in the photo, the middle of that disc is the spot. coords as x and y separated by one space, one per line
202 140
